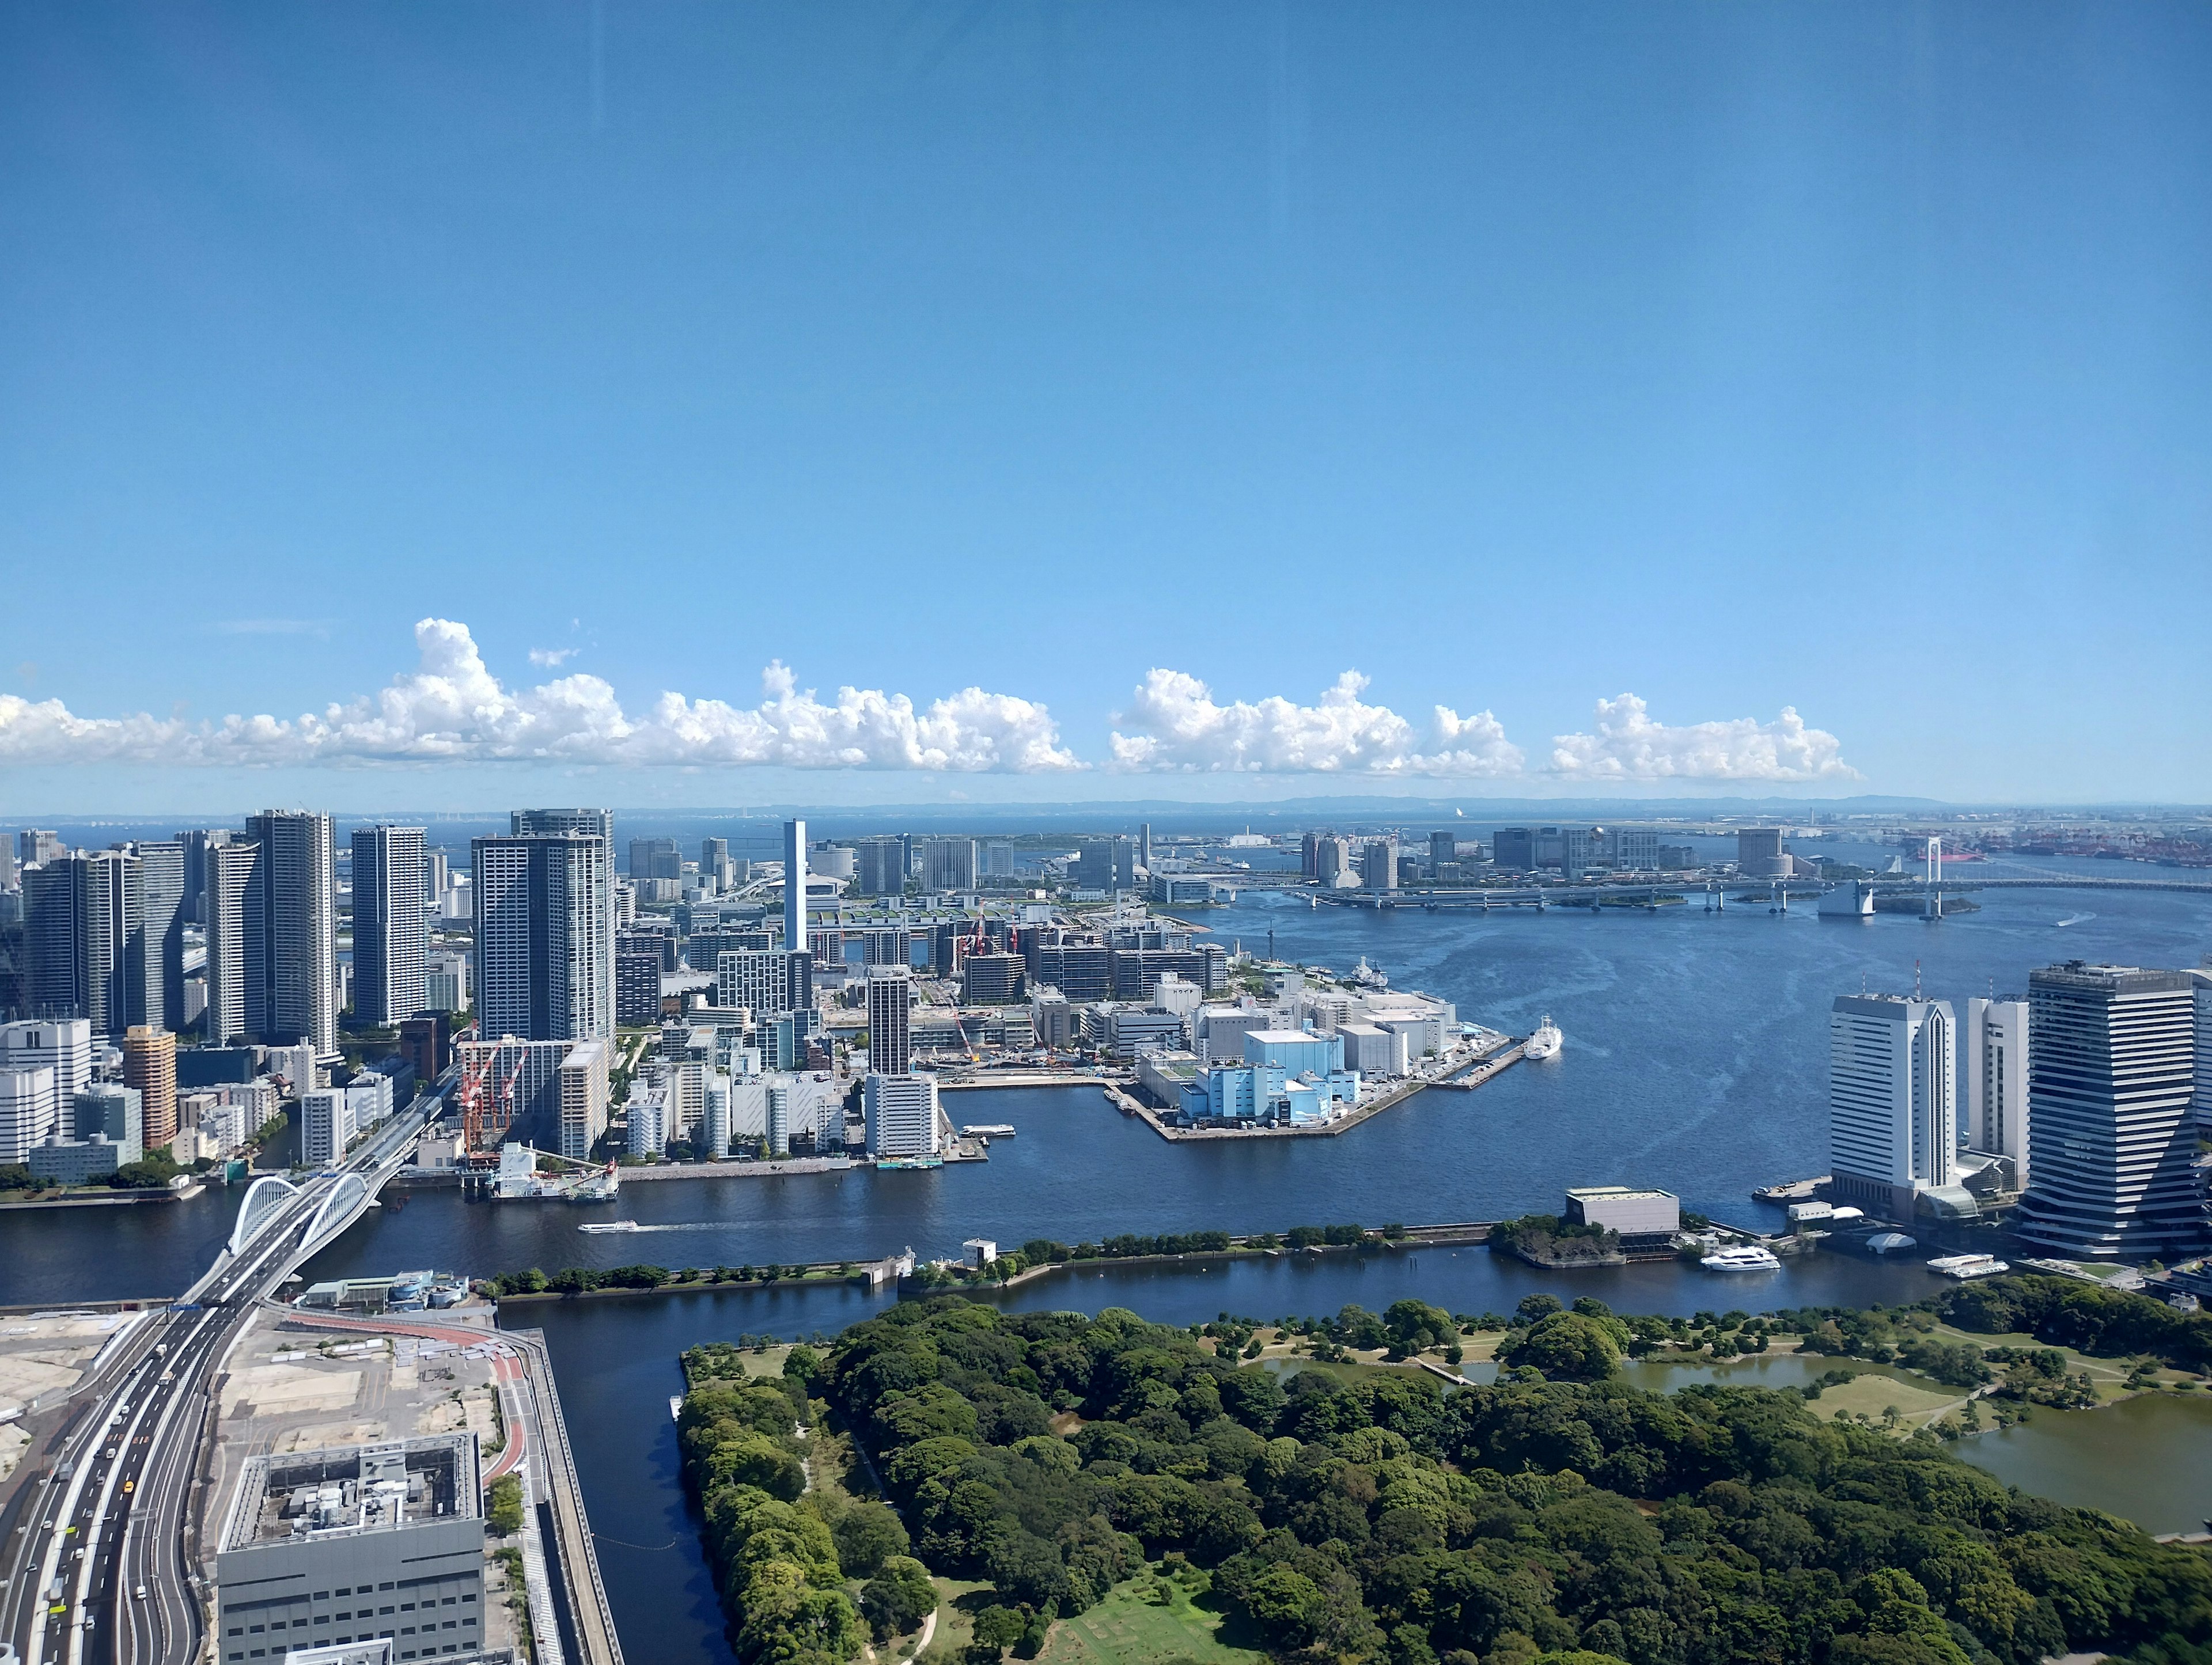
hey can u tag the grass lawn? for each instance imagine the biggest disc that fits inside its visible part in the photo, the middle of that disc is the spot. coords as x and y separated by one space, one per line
1871 1394
1126 1629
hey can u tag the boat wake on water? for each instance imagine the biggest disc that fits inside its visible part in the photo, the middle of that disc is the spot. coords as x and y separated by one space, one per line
673 1225
2075 919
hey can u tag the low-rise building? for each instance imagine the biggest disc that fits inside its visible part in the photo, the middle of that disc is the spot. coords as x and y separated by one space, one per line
353 1544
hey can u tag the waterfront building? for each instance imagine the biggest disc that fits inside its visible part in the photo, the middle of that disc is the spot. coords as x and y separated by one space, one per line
231 911
109 1110
27 1109
391 926
794 884
1442 847
648 1119
1373 1050
2111 1140
1652 1216
65 1045
1105 864
880 867
2203 1098
1298 1052
157 968
1636 850
1893 1105
1582 848
1758 852
1514 849
1052 1018
1379 863
37 845
398 1523
890 997
583 1090
543 945
83 936
715 1128
902 1116
1993 1070
150 1065
776 1108
948 864
511 1087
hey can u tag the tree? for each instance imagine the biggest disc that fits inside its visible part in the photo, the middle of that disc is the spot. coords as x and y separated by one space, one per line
1571 1346
898 1597
503 1505
868 1534
998 1628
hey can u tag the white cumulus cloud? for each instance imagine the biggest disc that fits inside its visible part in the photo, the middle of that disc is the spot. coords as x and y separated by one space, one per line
551 657
451 709
1175 725
1629 745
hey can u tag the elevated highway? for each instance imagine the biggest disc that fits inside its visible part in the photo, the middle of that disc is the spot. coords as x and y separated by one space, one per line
101 1563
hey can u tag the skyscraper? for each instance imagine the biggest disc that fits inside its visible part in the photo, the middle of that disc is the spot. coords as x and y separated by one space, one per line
296 995
157 971
1379 863
590 823
2111 1057
1442 847
948 864
714 859
232 909
889 1003
1105 864
794 884
84 932
149 1067
1892 1101
654 858
391 928
903 1117
197 843
543 942
1993 1081
881 866
1144 846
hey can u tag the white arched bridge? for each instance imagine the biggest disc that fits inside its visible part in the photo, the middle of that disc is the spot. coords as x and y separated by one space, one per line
269 1199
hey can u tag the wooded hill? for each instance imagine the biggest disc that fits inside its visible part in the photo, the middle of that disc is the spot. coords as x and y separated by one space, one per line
1381 1519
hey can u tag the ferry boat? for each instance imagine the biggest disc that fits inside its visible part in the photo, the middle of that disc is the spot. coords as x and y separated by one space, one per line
1741 1257
1968 1266
1544 1042
609 1226
987 1130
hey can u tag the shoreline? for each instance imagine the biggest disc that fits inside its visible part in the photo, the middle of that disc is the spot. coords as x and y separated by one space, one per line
111 1199
1462 1078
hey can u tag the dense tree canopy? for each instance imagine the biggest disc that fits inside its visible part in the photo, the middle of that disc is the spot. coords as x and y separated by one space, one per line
1382 1519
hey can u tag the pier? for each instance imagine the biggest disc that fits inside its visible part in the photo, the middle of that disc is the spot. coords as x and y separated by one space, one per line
1465 1075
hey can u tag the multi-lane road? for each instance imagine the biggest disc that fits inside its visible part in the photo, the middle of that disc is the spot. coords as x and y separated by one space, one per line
97 1566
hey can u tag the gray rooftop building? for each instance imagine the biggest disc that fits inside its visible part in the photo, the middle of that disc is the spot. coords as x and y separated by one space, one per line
355 1544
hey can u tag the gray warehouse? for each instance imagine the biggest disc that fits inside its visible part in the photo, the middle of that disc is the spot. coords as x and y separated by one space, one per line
355 1544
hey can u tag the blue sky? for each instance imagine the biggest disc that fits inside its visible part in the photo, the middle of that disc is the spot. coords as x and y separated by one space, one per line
1145 367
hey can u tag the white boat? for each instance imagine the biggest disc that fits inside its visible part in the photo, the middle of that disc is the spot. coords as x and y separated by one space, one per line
1968 1266
1544 1042
609 1226
1741 1257
987 1130
1364 976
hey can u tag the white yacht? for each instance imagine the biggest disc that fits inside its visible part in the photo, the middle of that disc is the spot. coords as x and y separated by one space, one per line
1741 1257
1364 976
609 1226
1544 1042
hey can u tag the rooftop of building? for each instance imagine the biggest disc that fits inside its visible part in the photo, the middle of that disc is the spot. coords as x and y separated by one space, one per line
1619 1193
306 1496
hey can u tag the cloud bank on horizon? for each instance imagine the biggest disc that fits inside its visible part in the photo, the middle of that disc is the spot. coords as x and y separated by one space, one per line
451 709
